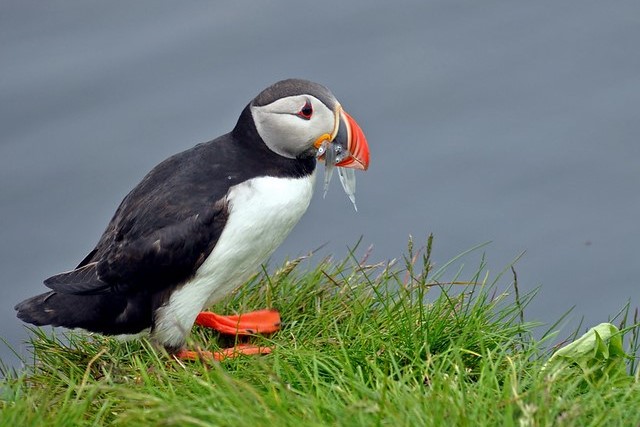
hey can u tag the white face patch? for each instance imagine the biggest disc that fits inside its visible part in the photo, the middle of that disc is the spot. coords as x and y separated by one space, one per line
284 131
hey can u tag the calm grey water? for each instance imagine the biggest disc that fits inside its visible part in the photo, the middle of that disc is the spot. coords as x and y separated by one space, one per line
510 122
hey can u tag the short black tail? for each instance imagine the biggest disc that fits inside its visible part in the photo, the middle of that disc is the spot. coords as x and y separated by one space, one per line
105 314
36 311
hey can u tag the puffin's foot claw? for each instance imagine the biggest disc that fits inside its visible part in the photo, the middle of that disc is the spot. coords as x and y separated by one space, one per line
240 349
255 322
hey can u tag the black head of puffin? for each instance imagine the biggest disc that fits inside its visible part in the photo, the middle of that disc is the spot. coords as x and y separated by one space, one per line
295 117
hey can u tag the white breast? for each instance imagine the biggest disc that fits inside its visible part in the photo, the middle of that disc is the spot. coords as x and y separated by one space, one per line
262 212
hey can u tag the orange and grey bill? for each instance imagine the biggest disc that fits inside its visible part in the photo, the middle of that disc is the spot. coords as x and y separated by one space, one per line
357 145
350 137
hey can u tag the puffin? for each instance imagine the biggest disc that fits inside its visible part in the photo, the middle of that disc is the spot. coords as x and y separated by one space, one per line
201 222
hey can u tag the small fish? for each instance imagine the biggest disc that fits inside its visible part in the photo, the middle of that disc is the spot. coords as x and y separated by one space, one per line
348 181
329 165
334 154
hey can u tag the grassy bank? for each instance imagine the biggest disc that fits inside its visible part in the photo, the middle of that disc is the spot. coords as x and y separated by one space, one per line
361 345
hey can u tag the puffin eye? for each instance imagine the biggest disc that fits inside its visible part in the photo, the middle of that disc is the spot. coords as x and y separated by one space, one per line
306 111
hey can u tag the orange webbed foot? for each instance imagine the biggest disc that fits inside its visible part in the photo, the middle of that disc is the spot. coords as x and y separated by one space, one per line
240 349
255 322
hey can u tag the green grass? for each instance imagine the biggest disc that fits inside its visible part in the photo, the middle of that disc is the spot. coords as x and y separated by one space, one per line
361 345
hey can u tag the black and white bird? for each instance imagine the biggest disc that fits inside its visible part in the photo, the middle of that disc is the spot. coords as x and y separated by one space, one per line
201 222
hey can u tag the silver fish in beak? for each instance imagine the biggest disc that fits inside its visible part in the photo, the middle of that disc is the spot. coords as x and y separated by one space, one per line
347 150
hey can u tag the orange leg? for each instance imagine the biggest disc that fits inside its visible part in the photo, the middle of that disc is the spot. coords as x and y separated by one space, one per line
247 349
255 322
261 321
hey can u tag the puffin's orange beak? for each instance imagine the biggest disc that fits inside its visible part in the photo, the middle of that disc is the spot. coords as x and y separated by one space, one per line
352 150
351 137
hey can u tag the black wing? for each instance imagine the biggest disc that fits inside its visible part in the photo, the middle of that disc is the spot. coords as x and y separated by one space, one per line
162 231
166 256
